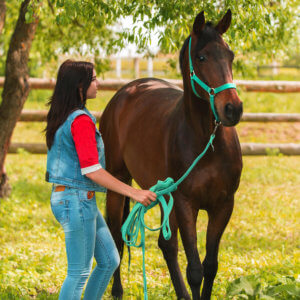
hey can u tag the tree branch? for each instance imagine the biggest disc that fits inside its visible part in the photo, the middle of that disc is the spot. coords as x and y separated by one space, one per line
2 14
16 87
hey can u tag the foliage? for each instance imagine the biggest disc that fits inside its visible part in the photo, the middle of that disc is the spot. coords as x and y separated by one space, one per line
250 287
261 31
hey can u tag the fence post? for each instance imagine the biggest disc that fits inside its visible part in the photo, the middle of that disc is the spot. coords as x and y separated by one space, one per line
118 67
178 67
274 69
136 67
150 66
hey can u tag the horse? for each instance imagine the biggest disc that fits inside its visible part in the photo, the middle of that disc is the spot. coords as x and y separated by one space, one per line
153 130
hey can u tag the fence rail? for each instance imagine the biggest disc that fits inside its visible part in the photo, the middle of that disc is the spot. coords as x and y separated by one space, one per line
247 148
40 116
115 84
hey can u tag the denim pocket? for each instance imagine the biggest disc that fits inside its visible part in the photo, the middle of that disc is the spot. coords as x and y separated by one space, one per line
88 205
60 206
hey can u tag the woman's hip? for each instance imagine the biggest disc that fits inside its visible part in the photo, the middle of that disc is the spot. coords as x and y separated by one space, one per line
73 207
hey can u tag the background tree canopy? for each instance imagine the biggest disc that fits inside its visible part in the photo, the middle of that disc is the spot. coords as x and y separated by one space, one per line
261 31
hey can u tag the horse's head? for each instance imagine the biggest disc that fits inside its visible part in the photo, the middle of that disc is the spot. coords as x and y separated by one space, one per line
208 61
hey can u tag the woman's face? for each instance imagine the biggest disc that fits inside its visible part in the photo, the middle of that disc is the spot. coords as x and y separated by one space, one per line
91 92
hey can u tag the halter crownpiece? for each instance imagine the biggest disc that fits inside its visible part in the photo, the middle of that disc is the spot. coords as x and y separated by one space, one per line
211 91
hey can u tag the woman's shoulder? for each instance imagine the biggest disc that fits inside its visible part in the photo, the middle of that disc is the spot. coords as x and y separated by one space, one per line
77 112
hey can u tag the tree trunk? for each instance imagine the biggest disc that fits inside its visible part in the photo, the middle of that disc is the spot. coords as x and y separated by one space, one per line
2 14
16 88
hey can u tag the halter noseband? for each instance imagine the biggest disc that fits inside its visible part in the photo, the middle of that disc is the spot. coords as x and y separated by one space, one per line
211 91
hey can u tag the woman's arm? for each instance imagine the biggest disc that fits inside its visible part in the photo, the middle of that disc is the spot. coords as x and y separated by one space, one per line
103 178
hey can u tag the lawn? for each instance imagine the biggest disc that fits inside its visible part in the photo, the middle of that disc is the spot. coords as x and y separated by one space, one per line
259 251
262 238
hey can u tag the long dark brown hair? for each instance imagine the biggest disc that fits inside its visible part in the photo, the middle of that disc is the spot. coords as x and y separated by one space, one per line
73 81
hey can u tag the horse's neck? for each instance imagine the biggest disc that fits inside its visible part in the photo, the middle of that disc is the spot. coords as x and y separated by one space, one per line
198 115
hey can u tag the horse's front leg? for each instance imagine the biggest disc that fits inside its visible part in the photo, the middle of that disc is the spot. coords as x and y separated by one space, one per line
217 221
170 252
187 218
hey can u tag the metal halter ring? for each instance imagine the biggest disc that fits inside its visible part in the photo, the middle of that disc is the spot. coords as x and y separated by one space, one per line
192 73
212 92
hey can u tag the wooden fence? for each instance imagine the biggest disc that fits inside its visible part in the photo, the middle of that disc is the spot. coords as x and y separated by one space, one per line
247 148
115 84
40 116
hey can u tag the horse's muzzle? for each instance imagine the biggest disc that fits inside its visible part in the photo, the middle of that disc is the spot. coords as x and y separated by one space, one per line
232 113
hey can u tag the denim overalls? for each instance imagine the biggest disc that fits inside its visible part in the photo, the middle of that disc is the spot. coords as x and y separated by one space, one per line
75 208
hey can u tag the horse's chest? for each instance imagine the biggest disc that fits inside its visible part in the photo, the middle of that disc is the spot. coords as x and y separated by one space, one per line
211 183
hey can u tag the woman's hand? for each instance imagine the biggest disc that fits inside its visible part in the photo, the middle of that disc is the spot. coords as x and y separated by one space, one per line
143 196
105 179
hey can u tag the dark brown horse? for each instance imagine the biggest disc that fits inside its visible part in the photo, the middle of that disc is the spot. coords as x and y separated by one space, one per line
153 130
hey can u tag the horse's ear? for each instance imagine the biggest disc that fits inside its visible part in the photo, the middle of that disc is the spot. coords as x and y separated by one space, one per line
199 23
224 24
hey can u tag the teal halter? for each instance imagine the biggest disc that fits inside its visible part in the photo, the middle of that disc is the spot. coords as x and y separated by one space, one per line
211 91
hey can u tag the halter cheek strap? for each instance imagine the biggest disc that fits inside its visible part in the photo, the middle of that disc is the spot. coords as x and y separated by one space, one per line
211 91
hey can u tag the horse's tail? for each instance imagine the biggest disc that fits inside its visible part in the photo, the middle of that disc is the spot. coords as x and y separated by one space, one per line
126 211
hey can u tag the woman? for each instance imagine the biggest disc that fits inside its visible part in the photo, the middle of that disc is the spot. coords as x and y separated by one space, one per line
76 167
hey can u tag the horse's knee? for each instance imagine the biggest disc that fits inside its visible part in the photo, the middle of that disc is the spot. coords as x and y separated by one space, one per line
168 248
194 274
210 269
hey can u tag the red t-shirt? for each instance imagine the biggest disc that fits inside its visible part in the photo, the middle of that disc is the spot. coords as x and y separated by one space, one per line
83 131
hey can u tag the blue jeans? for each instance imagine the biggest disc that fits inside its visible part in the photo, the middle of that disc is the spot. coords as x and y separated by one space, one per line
86 236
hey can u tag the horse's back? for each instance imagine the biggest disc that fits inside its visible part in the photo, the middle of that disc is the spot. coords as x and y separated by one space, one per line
143 92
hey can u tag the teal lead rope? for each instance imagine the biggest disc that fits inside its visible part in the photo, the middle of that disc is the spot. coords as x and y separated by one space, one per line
134 225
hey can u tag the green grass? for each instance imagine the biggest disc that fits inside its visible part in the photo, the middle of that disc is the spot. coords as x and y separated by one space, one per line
261 239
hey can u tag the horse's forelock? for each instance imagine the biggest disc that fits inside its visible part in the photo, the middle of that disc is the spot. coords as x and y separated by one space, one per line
208 34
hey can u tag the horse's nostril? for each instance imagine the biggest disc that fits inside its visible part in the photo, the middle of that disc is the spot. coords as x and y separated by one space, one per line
229 109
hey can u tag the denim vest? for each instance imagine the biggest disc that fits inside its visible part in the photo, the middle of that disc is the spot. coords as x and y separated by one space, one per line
62 161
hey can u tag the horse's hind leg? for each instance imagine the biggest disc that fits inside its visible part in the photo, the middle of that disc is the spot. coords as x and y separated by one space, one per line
115 204
187 218
217 221
170 252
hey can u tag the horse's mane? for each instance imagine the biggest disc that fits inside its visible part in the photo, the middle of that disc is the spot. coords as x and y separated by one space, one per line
208 25
182 51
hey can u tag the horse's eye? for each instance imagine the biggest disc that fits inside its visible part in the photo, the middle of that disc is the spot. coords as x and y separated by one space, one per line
201 58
